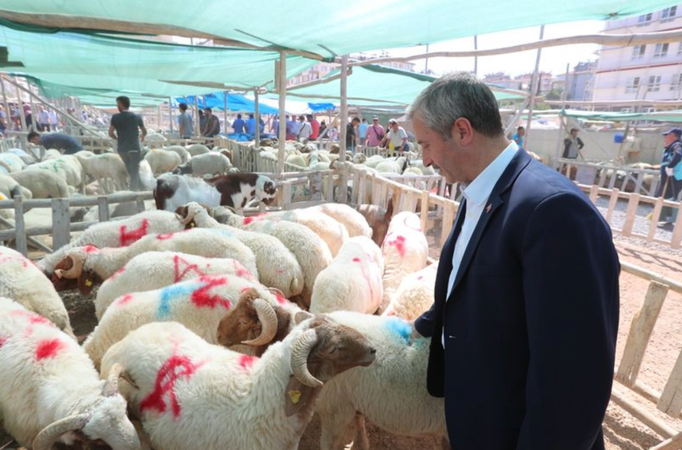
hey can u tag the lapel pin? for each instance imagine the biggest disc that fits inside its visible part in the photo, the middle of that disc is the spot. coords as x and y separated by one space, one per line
488 208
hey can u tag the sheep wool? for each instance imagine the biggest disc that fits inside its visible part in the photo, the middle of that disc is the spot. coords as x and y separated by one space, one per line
414 295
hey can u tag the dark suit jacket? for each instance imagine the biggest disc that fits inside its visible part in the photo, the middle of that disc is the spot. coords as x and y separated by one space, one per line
531 323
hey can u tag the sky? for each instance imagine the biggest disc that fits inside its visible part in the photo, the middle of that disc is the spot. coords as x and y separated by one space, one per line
553 59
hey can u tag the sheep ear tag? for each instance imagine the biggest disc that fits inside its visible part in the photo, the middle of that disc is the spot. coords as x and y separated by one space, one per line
86 283
296 396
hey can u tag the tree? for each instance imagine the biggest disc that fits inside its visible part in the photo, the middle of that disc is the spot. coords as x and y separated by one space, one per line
554 94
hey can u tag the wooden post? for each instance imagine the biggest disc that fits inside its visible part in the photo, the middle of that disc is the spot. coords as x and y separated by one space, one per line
344 104
671 398
673 443
655 215
20 105
343 190
424 209
257 111
61 223
612 204
170 114
20 226
286 195
329 196
158 117
281 76
534 88
641 327
8 117
225 111
34 113
594 194
630 215
197 122
677 231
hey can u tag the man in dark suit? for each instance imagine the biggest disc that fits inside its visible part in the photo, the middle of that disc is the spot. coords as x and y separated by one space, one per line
524 325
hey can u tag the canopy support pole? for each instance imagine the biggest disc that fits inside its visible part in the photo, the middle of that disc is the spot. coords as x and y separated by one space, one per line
158 117
34 115
475 57
8 114
281 75
225 111
561 121
20 104
170 114
344 105
534 88
622 144
257 111
197 122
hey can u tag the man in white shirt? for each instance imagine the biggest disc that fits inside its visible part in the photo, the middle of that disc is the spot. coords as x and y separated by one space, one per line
397 137
43 120
525 317
304 130
54 120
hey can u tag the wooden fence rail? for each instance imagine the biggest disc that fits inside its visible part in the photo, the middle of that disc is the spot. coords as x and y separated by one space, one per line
628 179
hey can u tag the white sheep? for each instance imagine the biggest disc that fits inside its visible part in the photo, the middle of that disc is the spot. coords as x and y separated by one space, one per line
197 149
67 167
206 164
311 252
107 166
405 250
355 223
352 282
181 151
277 266
162 161
22 281
42 184
117 234
197 303
50 391
10 188
255 404
12 162
392 166
391 393
414 295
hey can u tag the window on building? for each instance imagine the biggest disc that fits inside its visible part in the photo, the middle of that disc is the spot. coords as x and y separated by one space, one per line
649 110
644 19
676 83
654 84
638 51
669 13
626 110
632 86
661 50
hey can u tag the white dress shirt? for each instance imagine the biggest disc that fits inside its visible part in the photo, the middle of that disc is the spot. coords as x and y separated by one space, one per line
476 194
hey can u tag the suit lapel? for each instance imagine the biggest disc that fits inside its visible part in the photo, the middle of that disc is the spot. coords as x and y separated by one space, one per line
517 164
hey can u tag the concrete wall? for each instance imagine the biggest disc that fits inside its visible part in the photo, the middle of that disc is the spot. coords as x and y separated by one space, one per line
599 145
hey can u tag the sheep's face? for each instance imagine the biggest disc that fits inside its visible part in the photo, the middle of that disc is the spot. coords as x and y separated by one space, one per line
378 219
110 424
338 349
268 191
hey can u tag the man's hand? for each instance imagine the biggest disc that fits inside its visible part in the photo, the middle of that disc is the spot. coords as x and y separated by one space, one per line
415 334
669 171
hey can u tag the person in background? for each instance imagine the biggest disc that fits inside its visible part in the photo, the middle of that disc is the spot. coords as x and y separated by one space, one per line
315 125
239 126
43 120
334 131
362 131
573 145
291 128
323 127
211 124
396 138
62 142
202 120
125 129
524 323
274 129
261 124
519 137
185 123
251 124
304 130
350 134
3 122
671 171
54 120
28 117
375 133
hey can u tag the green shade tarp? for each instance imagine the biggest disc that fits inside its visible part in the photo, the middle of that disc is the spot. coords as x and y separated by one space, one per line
375 85
320 27
658 116
82 64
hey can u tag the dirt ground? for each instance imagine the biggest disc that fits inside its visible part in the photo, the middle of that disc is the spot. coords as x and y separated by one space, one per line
622 431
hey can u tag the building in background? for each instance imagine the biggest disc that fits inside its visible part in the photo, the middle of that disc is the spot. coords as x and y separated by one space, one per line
641 72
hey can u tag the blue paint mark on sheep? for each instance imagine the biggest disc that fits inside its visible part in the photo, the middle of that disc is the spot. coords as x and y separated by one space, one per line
171 293
399 327
222 231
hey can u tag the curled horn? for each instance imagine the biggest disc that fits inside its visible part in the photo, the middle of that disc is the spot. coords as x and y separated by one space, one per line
268 320
51 433
184 214
75 270
299 359
111 386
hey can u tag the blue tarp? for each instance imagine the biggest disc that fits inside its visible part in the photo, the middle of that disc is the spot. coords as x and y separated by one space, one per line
235 102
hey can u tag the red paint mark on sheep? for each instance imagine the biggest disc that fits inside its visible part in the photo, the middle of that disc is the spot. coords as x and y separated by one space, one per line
124 300
130 237
48 348
181 263
399 244
251 219
11 258
357 260
117 273
246 361
164 236
420 277
90 249
241 271
172 370
203 299
2 341
280 299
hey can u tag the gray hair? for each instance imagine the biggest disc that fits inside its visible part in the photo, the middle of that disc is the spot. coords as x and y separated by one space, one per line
458 95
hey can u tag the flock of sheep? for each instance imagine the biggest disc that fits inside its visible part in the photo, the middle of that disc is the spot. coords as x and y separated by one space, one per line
217 330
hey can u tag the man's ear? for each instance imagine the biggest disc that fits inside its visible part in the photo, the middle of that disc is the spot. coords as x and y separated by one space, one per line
463 131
